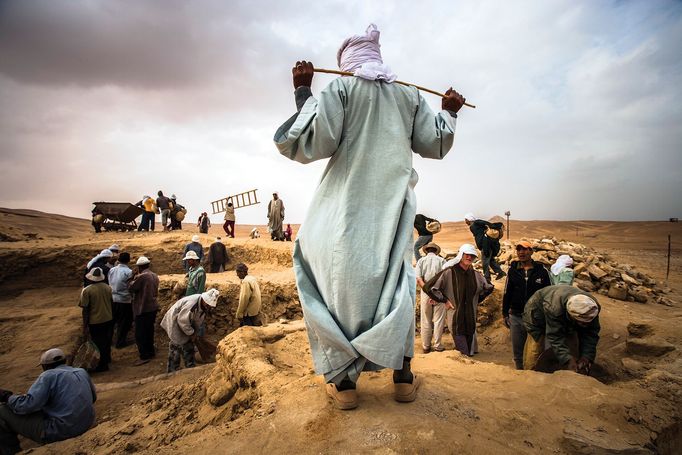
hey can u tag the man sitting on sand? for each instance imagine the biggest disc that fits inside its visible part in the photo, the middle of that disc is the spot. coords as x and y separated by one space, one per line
58 405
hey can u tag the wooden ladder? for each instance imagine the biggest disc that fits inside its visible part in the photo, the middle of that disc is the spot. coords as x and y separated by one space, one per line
240 200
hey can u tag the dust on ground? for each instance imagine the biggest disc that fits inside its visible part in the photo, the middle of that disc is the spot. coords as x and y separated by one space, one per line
262 394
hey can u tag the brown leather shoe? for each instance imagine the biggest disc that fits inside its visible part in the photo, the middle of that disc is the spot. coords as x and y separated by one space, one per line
345 399
406 393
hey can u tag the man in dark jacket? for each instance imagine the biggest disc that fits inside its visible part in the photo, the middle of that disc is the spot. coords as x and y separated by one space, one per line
525 277
559 313
217 257
425 236
489 246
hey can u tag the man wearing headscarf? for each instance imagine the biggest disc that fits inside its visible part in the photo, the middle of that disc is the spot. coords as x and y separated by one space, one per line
461 288
352 254
558 313
561 270
275 217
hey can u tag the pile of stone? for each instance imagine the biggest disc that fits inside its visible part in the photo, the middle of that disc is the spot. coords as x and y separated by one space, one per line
594 271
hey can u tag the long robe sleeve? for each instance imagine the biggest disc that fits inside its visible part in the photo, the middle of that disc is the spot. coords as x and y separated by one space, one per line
315 132
433 135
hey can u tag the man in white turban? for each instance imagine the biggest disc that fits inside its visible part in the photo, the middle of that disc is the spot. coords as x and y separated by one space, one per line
560 313
352 253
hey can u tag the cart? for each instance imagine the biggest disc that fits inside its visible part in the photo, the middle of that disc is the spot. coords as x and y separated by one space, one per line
118 216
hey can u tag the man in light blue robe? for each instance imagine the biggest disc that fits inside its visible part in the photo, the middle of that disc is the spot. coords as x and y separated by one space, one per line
352 254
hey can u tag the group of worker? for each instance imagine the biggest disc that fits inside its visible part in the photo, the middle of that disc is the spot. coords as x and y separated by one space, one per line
172 213
59 405
541 308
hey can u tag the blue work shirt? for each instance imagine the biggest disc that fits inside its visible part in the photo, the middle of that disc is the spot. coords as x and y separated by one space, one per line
65 396
119 277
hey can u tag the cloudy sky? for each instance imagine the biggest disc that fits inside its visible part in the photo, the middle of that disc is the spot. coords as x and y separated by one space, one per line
579 113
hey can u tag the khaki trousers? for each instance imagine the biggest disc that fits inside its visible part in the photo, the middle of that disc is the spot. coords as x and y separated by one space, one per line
432 322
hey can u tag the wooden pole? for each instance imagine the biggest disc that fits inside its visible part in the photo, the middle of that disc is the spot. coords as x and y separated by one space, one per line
667 272
346 73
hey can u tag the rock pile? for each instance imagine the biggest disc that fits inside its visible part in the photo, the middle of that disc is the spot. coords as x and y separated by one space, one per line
594 271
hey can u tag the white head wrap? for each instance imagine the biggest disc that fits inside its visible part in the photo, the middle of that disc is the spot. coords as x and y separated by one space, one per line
582 308
561 263
470 217
360 55
103 254
466 248
210 297
115 248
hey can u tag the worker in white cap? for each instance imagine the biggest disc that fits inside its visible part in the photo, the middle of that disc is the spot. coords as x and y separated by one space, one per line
558 314
145 289
195 246
183 322
196 275
58 406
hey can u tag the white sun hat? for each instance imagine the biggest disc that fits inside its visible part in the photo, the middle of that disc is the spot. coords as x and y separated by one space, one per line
95 275
210 297
191 255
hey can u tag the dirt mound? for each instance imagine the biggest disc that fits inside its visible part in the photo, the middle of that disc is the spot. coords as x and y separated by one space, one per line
262 396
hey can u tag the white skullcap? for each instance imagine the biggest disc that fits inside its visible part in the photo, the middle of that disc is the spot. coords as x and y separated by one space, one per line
142 260
470 217
210 297
114 247
195 238
582 308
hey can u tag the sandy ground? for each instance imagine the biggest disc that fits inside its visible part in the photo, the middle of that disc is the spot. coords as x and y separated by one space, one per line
277 403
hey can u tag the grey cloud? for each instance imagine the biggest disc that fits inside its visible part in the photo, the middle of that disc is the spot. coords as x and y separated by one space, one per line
149 45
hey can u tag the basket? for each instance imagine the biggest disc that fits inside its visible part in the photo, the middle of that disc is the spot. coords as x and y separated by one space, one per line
99 218
180 216
493 233
433 227
87 356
